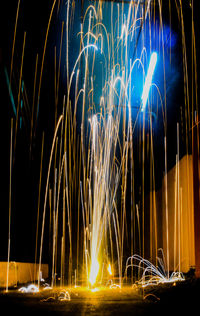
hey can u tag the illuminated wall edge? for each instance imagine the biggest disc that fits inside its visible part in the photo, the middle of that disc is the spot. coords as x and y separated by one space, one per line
186 243
20 272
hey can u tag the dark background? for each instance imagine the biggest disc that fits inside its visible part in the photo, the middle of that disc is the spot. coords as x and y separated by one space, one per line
33 18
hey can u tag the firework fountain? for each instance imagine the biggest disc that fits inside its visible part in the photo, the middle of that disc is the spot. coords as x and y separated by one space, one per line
94 231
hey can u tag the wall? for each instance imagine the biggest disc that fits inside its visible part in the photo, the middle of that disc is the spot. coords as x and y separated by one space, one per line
20 272
179 223
179 248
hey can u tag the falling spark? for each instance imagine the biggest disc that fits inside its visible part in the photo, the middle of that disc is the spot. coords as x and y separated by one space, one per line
104 170
64 296
31 288
153 275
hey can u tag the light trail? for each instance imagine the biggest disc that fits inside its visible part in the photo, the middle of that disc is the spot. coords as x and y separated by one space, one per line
151 274
148 80
96 165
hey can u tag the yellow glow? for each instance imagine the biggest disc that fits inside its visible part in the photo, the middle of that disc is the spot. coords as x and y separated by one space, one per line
94 271
109 269
96 289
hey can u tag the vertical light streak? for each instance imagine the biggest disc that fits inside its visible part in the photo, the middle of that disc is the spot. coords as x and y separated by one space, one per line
38 208
10 188
13 46
45 200
166 207
19 89
33 102
67 41
43 56
148 80
178 198
175 214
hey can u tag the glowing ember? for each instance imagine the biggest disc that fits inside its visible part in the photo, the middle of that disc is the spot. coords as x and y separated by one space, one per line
31 288
152 275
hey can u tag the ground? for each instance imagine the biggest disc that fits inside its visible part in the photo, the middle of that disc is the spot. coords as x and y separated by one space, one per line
170 299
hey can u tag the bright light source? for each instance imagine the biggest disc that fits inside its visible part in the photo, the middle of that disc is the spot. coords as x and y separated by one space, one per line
147 85
94 271
96 289
109 269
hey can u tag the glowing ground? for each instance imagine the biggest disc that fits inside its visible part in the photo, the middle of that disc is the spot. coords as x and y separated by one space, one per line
159 300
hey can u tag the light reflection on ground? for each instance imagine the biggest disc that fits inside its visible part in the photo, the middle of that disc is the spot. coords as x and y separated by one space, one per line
166 299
